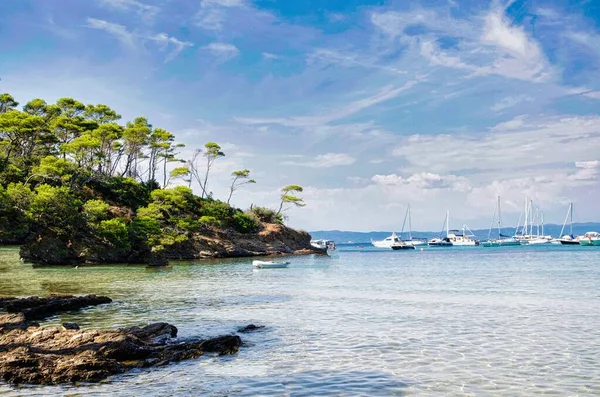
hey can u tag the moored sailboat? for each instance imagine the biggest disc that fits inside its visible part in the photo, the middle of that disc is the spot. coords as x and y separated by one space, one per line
568 239
502 240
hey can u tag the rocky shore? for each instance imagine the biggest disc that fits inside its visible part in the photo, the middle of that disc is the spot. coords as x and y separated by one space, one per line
32 354
272 240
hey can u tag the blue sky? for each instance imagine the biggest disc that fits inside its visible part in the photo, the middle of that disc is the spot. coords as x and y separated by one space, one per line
370 105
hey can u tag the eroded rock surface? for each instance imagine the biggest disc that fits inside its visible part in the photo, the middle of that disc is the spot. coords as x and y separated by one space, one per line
52 355
35 308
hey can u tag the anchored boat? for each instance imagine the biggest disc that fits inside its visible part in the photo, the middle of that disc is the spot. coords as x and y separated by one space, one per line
269 264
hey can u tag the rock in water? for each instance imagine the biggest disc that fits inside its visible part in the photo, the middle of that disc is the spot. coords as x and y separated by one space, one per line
70 326
250 328
53 355
39 308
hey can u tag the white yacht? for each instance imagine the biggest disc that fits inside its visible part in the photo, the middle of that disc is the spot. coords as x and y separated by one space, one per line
386 242
590 238
454 237
329 245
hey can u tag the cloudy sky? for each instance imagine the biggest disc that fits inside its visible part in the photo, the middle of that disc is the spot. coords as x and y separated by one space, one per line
370 105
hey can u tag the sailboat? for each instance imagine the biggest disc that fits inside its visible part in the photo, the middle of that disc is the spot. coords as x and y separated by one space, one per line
502 240
454 237
568 239
410 240
527 237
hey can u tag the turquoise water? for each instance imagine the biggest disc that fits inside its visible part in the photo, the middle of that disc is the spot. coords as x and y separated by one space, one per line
442 321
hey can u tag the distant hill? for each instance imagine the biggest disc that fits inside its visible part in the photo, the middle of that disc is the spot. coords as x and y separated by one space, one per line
340 236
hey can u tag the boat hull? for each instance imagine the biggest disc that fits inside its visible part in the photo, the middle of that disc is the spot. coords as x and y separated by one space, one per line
569 242
403 247
500 243
269 264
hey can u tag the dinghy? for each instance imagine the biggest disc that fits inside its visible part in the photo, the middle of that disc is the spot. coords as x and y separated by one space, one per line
269 264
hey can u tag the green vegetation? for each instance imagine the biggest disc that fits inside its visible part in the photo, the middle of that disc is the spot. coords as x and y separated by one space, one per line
73 172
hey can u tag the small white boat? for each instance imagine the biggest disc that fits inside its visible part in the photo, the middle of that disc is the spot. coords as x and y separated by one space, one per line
590 238
329 245
269 264
387 242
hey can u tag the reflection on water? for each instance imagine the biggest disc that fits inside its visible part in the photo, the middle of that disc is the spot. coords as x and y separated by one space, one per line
365 322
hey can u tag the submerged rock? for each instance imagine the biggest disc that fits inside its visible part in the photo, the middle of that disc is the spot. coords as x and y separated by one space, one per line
34 308
250 328
53 355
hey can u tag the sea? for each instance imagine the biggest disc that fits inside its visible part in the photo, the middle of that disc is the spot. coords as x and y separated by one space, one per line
469 321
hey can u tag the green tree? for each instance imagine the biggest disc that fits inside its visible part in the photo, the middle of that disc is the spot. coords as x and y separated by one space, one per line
135 138
7 103
212 152
240 178
288 198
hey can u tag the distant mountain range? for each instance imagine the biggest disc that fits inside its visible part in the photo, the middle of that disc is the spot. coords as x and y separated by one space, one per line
480 234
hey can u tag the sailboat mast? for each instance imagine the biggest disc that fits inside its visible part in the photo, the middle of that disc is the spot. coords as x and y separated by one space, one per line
409 225
543 234
499 219
447 222
571 223
525 224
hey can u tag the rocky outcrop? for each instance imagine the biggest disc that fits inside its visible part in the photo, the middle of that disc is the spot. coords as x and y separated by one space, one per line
30 354
273 239
36 308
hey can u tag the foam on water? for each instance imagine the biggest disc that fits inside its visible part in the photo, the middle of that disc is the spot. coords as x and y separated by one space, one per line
498 321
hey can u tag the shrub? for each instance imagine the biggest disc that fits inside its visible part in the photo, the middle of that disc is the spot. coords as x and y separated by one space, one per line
219 210
267 215
96 210
246 223
209 220
116 232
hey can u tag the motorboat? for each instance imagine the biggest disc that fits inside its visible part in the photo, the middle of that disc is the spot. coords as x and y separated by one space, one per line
269 264
329 245
386 242
502 240
590 238
403 245
439 242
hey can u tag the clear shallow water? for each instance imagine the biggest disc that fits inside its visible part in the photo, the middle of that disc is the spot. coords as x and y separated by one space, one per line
471 321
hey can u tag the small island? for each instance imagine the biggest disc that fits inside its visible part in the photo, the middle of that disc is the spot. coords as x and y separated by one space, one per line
76 186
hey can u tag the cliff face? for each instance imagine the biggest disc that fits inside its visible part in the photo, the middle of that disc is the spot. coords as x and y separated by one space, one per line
272 239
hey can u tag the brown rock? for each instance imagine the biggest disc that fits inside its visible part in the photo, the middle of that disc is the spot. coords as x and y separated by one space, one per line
55 355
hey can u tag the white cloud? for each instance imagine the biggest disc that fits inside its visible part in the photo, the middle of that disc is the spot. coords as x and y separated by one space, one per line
145 10
120 32
325 161
268 55
222 51
509 102
213 13
384 94
548 141
592 94
164 40
518 56
513 124
587 170
135 41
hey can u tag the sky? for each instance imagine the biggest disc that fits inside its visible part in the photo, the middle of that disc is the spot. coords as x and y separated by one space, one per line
370 105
